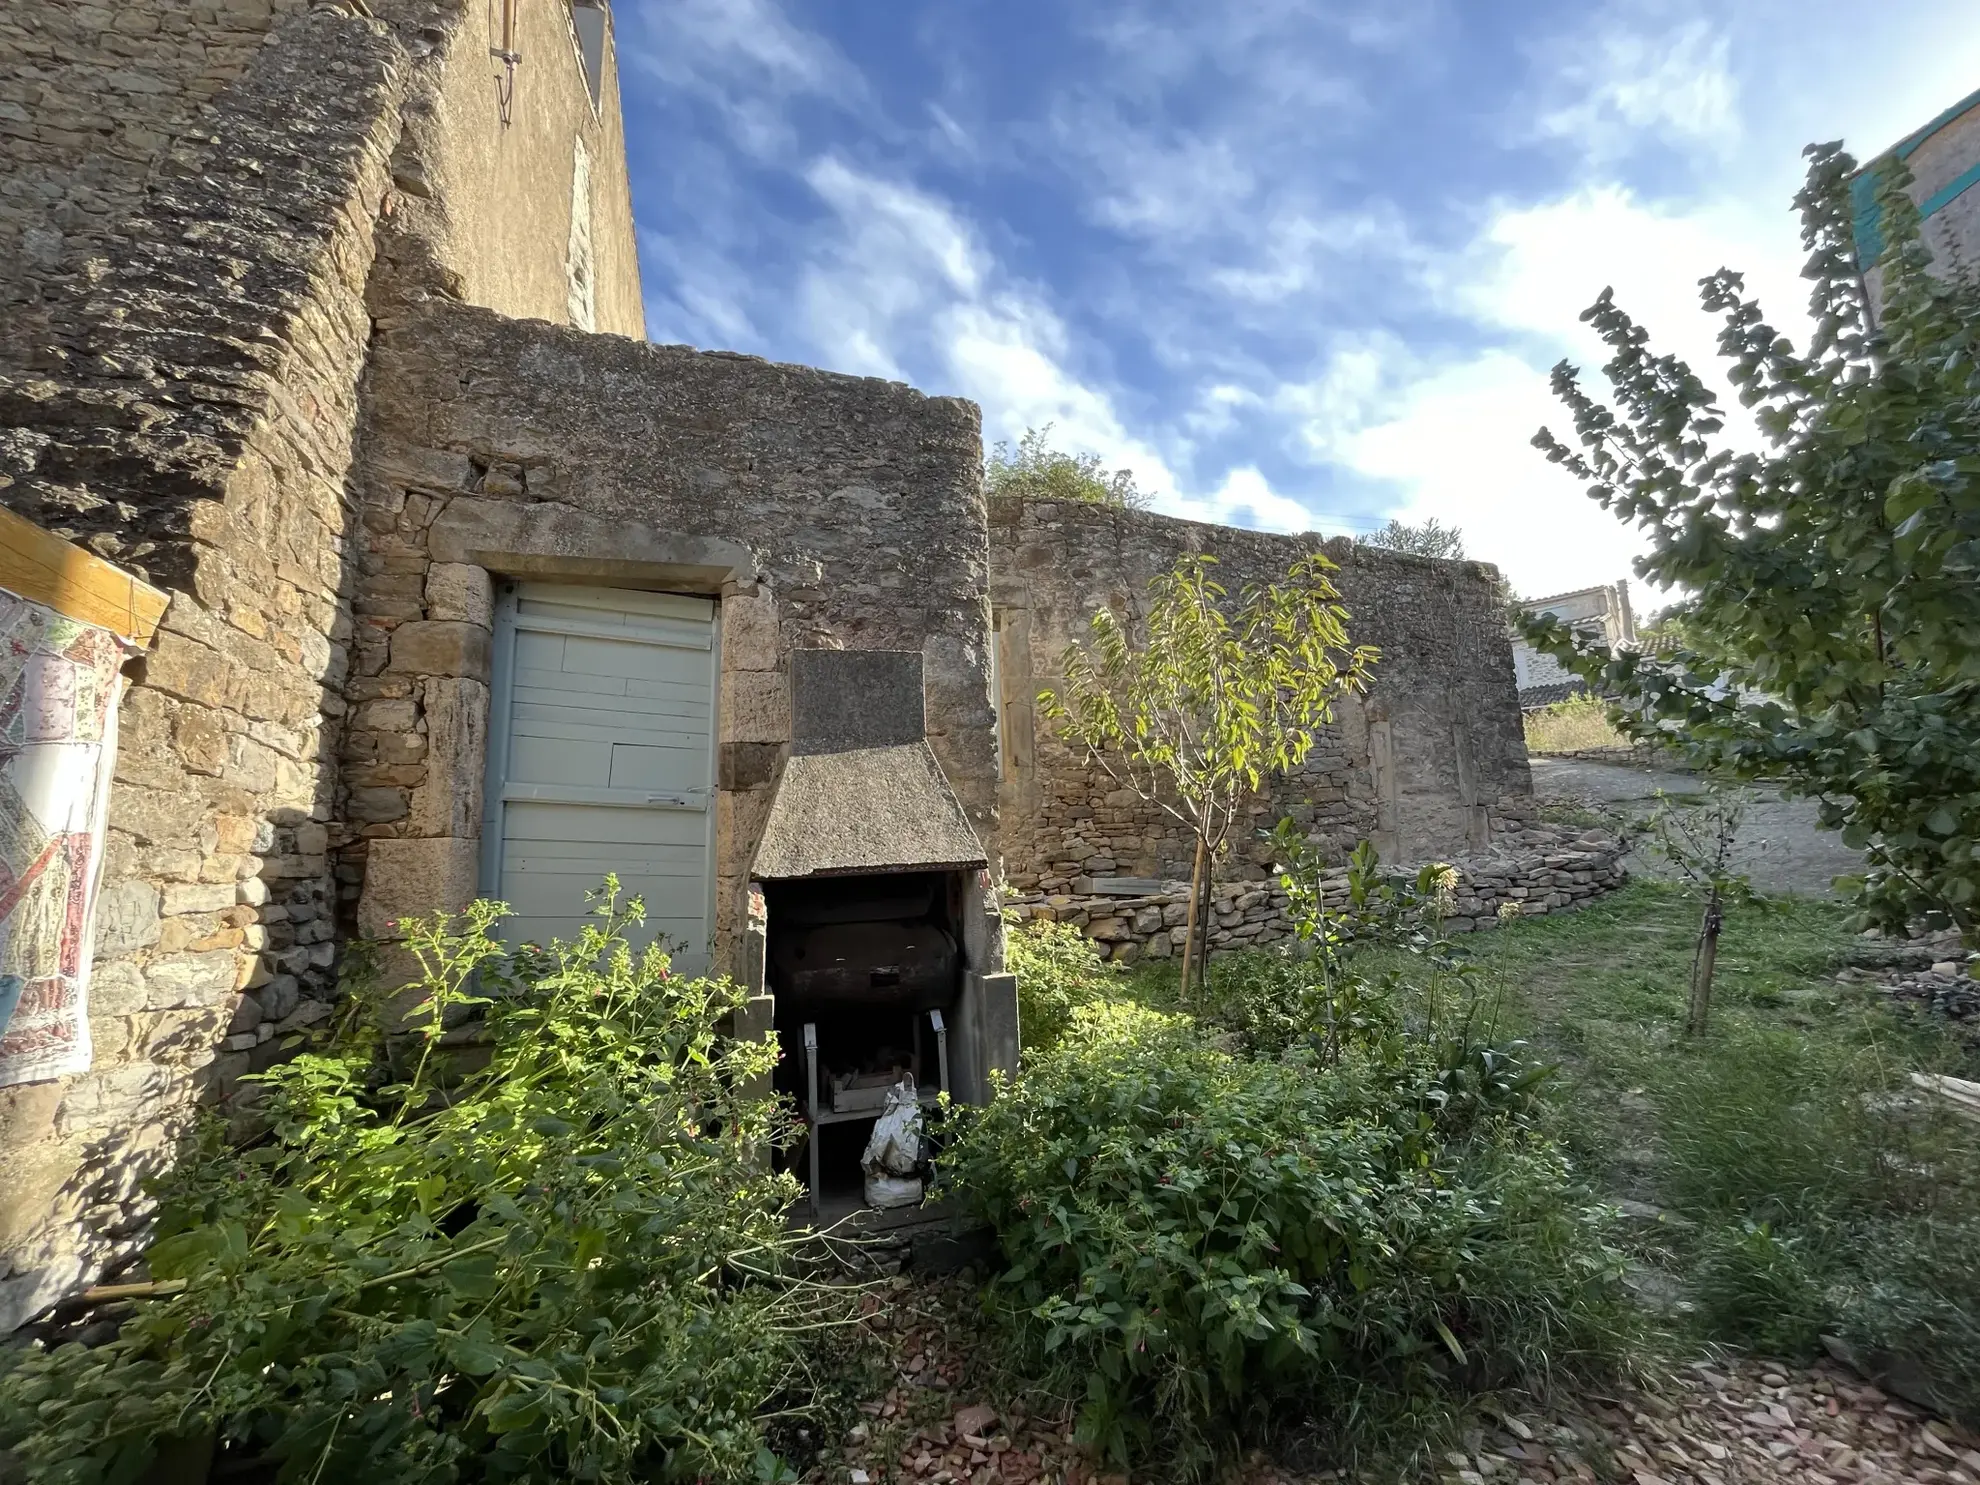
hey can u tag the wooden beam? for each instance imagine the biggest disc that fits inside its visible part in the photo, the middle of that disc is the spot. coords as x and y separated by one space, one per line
46 569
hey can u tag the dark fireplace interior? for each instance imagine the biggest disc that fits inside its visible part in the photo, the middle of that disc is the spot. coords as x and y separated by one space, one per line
862 961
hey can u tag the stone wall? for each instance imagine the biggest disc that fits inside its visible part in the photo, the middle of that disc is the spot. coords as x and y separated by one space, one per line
1432 762
205 204
181 396
824 511
1540 869
92 96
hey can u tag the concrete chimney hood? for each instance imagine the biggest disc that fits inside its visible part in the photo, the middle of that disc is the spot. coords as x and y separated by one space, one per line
862 792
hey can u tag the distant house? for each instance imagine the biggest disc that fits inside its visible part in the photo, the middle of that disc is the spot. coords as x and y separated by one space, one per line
1944 160
1600 613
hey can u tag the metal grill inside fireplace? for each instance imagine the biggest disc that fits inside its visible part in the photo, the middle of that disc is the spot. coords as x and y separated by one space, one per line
867 972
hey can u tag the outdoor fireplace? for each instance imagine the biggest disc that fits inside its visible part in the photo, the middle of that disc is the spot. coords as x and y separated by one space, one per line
881 942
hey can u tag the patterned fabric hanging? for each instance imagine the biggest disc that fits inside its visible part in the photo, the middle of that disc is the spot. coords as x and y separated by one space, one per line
59 687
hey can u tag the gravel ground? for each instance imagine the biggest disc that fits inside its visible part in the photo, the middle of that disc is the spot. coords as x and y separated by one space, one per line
1733 1422
1781 847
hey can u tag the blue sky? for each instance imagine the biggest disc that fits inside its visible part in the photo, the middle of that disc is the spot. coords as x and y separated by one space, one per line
1299 265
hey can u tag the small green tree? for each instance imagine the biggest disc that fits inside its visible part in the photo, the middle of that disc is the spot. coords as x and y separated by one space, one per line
1213 699
1832 640
1037 471
1698 840
1431 539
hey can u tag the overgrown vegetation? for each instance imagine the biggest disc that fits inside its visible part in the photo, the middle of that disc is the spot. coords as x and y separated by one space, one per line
1430 539
1037 471
1316 1194
1059 970
1810 1187
1571 726
567 1263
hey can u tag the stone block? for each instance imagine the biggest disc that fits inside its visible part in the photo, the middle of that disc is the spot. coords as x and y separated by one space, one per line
200 737
377 806
279 997
457 590
190 671
308 1014
450 801
411 878
394 714
126 918
755 707
749 632
184 981
421 469
156 816
197 897
116 988
747 765
441 647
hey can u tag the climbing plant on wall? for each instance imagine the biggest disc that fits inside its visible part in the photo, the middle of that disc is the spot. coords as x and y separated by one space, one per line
1832 638
1195 706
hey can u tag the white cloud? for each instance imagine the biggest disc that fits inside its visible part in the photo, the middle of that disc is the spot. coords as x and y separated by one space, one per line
1457 441
1673 81
1453 436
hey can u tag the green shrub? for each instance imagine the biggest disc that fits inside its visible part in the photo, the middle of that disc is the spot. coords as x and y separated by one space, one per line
1204 1236
1058 969
562 1265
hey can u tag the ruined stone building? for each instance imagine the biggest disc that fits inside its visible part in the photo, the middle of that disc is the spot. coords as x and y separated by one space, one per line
325 322
1600 614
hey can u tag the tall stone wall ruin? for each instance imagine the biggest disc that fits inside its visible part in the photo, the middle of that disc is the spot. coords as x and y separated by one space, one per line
1430 763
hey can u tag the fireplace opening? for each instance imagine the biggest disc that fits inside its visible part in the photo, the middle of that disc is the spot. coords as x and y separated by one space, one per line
867 972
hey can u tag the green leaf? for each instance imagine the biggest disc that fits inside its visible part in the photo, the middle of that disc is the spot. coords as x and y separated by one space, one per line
476 1276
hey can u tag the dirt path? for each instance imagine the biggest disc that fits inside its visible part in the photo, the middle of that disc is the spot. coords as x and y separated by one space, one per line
1781 846
938 1421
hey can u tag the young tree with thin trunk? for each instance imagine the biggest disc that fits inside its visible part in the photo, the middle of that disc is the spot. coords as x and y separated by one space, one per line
1698 841
1215 697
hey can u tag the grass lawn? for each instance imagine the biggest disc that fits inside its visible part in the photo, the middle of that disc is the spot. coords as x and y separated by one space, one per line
1783 1176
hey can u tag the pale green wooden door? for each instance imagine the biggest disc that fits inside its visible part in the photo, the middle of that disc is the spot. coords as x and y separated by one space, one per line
601 759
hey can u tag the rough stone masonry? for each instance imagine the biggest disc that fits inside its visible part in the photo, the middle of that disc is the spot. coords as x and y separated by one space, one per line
293 325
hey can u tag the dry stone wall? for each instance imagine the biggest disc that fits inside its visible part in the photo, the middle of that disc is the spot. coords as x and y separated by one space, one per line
1431 762
180 395
205 204
92 95
824 511
1534 871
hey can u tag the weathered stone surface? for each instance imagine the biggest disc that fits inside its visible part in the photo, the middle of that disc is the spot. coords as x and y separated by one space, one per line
190 207
126 917
413 878
1432 762
177 981
755 707
449 801
197 897
441 647
457 590
749 631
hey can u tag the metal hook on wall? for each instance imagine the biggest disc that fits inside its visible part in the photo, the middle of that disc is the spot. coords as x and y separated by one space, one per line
508 56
